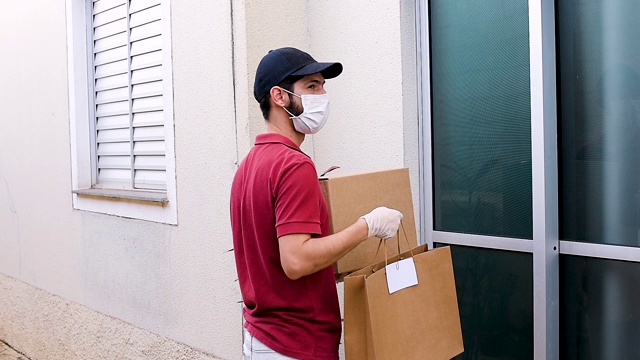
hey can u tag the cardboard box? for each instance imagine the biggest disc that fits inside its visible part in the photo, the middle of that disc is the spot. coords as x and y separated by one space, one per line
353 195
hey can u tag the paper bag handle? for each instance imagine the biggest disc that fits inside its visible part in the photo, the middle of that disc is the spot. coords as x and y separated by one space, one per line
386 257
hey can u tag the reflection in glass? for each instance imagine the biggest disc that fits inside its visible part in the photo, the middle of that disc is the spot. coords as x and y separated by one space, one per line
599 312
481 117
495 298
599 113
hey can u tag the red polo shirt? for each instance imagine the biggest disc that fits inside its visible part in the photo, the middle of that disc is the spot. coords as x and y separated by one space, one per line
276 192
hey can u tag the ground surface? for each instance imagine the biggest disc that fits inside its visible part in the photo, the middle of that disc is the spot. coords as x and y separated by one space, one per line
7 353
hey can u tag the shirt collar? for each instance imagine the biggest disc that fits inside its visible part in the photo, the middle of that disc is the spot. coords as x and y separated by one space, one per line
273 138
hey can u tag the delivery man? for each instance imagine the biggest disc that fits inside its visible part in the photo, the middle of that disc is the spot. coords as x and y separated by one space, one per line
280 222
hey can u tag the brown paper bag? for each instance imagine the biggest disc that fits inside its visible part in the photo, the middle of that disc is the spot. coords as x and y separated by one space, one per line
418 322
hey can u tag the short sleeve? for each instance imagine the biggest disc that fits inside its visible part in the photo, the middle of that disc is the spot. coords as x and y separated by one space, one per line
298 200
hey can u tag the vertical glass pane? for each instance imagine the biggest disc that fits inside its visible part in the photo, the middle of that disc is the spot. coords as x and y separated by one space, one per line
598 55
495 297
599 312
481 117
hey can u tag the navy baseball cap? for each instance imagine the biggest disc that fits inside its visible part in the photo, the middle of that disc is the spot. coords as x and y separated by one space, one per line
278 64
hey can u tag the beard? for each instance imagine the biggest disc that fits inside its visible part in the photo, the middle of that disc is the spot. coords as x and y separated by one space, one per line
295 105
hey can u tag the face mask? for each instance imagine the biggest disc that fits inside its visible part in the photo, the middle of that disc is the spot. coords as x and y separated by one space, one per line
315 114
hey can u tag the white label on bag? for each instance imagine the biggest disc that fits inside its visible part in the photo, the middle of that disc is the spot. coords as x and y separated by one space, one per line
401 275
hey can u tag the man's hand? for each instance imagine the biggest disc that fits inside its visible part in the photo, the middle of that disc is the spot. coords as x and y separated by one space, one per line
383 222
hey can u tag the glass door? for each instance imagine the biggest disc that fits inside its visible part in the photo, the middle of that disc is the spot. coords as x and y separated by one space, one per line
598 62
530 145
480 167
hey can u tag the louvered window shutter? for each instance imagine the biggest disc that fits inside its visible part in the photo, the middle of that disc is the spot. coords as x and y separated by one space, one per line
128 104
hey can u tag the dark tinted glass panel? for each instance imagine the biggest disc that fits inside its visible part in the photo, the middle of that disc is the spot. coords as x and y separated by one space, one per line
599 113
495 297
599 311
481 117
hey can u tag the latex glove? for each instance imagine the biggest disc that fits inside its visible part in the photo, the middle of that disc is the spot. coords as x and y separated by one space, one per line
383 222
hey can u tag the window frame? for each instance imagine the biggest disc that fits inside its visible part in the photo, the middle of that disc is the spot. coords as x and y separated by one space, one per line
151 205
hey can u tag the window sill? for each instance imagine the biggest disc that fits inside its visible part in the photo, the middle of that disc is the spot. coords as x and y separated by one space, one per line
139 195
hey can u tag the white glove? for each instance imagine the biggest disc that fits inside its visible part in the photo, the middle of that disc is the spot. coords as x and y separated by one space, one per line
383 222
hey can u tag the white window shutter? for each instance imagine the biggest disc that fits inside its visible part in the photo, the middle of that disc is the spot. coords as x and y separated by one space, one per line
128 98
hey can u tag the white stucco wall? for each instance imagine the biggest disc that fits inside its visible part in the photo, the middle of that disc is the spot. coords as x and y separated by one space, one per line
34 155
177 281
374 116
367 100
365 129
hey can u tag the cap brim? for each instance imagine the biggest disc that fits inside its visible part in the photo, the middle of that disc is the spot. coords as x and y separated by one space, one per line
328 70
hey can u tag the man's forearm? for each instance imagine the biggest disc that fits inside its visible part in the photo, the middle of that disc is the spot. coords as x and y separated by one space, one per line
301 254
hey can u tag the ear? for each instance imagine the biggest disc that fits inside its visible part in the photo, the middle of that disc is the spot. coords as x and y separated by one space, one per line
279 96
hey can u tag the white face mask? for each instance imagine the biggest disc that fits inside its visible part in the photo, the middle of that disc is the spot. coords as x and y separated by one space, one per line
315 114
